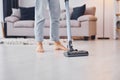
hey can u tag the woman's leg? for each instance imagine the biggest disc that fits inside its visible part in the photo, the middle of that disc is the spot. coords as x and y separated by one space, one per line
39 22
54 7
39 19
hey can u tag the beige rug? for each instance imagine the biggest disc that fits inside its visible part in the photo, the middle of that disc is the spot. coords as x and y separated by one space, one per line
17 41
26 41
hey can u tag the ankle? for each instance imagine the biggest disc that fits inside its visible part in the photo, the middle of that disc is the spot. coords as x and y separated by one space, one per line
57 43
39 43
39 47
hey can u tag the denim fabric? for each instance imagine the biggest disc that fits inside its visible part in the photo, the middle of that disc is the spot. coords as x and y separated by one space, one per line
40 8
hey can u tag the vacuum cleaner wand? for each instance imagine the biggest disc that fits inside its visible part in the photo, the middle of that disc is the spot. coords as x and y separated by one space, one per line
71 52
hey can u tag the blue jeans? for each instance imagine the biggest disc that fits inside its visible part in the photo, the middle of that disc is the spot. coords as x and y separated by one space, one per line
40 8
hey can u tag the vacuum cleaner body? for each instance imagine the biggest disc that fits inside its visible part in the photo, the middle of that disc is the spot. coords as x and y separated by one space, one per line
71 52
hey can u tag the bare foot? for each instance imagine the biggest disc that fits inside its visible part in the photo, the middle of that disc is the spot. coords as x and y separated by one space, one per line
59 46
39 47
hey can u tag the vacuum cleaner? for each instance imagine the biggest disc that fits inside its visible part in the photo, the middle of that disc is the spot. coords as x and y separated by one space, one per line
71 52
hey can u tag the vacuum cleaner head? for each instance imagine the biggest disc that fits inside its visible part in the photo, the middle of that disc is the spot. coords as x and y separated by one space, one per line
76 53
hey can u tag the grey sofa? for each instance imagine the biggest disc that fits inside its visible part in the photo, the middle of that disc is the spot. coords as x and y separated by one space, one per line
84 26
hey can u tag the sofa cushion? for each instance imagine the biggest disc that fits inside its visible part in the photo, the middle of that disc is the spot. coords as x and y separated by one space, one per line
24 24
63 13
16 12
11 19
74 23
87 18
78 11
63 16
27 13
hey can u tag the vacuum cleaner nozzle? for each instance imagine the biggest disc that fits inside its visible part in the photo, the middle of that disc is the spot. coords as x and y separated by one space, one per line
76 53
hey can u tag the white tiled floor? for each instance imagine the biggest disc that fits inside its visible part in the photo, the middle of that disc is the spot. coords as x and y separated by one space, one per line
21 62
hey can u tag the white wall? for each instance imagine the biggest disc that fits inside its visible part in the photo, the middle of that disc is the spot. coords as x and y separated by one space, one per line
26 3
1 17
1 11
109 9
109 18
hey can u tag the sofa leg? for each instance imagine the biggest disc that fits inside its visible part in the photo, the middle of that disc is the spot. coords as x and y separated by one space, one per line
86 38
93 37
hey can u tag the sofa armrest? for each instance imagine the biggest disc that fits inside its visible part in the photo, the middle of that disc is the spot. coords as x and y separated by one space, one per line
87 18
11 19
